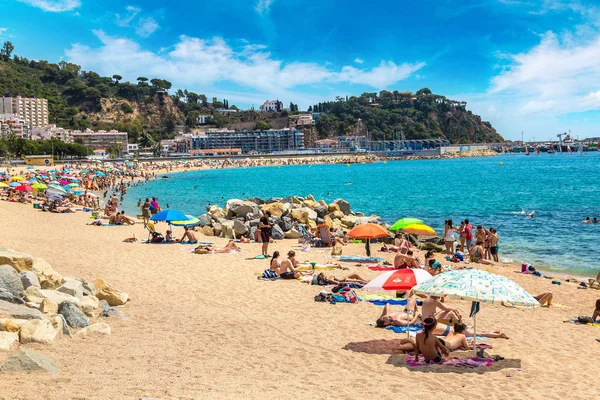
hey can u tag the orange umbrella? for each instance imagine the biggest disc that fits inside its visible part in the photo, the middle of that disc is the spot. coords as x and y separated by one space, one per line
368 231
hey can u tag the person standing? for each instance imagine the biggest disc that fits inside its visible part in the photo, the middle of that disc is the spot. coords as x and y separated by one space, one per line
493 240
146 211
449 239
154 206
468 230
266 228
462 235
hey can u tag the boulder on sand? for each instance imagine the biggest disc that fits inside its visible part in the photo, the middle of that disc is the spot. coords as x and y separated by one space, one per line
18 311
97 329
10 280
29 360
333 207
205 220
207 231
293 234
343 205
277 233
19 261
48 277
321 211
285 223
72 287
11 298
28 278
73 315
38 331
239 228
105 291
8 340
277 209
256 200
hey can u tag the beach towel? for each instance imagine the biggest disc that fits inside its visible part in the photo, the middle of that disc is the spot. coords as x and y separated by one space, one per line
258 257
390 302
360 258
377 268
404 329
472 362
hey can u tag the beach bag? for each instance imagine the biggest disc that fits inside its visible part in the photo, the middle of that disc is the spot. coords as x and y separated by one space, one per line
351 296
527 268
269 274
585 320
157 238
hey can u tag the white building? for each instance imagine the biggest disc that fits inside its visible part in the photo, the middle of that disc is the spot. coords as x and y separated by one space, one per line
271 106
11 125
33 111
100 140
51 131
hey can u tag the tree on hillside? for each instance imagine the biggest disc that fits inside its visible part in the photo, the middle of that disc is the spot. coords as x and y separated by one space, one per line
310 109
6 51
117 78
160 84
262 126
142 80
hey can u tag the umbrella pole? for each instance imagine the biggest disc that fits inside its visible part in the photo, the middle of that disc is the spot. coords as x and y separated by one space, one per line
475 335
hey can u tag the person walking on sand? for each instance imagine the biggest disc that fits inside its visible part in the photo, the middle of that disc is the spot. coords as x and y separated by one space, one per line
146 211
449 239
266 229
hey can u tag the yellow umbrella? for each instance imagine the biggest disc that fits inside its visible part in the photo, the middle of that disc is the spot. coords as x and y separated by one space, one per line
419 229
2 184
17 178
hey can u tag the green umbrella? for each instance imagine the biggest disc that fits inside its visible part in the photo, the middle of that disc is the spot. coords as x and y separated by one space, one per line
39 186
404 222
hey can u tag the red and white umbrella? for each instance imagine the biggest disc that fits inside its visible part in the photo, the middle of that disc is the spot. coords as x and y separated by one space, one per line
400 279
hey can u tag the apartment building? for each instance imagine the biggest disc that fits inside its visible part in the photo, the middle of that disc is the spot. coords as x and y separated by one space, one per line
267 141
100 140
33 111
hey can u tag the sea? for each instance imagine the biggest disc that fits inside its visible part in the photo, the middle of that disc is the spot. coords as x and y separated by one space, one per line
498 192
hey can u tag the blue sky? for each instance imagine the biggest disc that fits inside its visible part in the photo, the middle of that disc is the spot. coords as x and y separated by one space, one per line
523 65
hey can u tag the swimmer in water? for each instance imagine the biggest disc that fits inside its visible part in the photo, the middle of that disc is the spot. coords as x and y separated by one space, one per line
348 183
531 214
586 220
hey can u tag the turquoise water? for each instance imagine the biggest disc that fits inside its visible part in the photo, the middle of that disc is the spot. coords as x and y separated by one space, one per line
562 189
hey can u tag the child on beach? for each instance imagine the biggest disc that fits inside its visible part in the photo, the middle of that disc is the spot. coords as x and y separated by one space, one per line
428 344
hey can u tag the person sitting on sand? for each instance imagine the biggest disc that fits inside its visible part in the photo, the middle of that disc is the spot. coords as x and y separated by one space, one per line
596 313
404 259
169 237
288 267
124 219
404 318
594 283
457 339
446 315
428 344
476 254
189 234
544 299
333 280
275 265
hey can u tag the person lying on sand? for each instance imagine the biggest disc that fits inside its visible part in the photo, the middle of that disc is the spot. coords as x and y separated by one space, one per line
544 299
445 330
388 318
231 247
333 280
428 344
189 234
446 315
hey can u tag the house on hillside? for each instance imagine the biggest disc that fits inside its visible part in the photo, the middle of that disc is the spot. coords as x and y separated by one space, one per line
271 106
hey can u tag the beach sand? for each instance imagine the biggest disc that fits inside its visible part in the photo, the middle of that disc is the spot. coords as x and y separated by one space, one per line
204 327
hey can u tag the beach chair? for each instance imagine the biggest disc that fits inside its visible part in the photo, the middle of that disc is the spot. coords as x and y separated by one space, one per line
306 238
153 236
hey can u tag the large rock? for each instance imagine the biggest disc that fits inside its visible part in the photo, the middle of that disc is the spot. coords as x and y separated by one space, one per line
38 331
74 316
277 209
433 247
18 311
113 296
300 215
333 207
10 280
343 205
293 234
29 360
97 329
312 225
321 211
48 277
277 233
272 200
217 228
256 200
285 223
310 204
71 287
59 297
207 231
28 278
205 220
8 340
216 212
60 324
19 261
243 208
34 294
227 230
48 307
349 221
88 287
12 324
291 200
310 197
336 215
328 221
239 228
89 304
11 298
108 311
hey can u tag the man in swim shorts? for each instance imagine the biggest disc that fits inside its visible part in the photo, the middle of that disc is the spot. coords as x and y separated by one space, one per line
287 269
265 227
493 239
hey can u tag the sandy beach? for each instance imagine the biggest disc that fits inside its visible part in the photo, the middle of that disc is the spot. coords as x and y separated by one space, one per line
203 326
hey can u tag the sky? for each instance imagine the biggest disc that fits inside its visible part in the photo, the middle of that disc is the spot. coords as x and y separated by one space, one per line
530 66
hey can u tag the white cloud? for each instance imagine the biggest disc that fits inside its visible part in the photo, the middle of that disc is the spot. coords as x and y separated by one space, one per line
54 5
359 60
132 12
264 6
552 76
2 30
146 26
198 62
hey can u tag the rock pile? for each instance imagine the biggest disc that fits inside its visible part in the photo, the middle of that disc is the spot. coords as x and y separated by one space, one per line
38 305
240 218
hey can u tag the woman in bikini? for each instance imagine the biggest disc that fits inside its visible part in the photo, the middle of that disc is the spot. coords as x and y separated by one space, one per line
334 280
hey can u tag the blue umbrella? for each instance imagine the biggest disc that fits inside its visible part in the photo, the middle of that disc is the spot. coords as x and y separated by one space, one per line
169 215
100 173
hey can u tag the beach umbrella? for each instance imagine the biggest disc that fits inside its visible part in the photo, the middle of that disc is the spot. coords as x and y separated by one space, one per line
14 184
404 222
64 182
54 182
17 178
73 184
419 229
479 287
368 231
57 188
98 173
23 188
169 216
3 185
39 186
399 280
190 221
30 167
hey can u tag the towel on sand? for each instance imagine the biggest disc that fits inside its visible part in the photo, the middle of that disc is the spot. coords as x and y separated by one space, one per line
472 362
360 258
377 268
